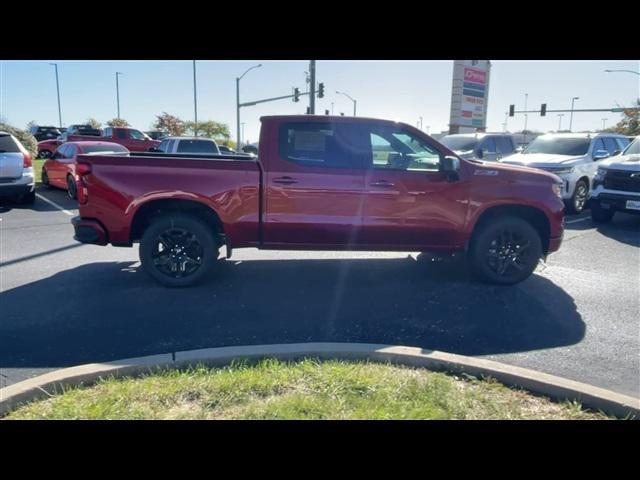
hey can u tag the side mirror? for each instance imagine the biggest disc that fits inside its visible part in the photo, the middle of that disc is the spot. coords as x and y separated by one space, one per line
600 154
450 166
616 152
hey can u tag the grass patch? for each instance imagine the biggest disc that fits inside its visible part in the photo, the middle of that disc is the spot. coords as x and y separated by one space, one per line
37 169
308 389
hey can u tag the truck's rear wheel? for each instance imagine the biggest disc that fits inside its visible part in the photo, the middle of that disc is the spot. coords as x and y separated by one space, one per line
178 250
505 251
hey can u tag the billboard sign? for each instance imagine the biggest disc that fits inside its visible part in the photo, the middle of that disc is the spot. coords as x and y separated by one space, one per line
469 94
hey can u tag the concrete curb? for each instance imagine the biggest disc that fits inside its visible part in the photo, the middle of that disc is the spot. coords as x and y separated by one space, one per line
556 388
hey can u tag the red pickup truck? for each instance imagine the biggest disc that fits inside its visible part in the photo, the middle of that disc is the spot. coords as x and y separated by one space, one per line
134 140
324 183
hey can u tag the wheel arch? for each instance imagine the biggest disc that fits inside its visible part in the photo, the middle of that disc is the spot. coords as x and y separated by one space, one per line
535 216
146 212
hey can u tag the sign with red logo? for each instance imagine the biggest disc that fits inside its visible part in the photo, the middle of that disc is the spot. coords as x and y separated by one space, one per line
475 76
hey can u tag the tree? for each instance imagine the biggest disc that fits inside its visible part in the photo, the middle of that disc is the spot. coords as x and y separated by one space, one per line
32 123
24 136
169 123
94 123
210 129
118 122
630 123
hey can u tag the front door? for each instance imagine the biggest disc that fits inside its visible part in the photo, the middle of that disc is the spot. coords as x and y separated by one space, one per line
409 202
314 185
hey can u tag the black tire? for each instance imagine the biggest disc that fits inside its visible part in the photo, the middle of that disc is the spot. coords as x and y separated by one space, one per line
44 154
45 178
578 200
505 251
27 198
599 214
187 240
72 189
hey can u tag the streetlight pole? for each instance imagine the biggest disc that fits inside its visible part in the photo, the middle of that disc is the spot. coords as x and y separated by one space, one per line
351 98
628 71
242 124
118 93
560 115
331 108
238 103
603 122
195 101
58 89
526 116
571 116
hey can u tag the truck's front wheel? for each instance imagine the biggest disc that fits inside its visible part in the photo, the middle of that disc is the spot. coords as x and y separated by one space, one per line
505 251
178 250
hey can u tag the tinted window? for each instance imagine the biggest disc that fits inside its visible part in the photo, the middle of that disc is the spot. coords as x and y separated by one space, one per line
460 143
136 135
104 148
108 132
170 146
8 144
163 146
488 145
558 146
395 149
197 146
121 133
598 144
321 144
611 145
633 148
622 143
70 151
504 144
60 152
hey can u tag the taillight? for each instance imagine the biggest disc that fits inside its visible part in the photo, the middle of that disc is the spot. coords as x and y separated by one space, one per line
83 169
27 160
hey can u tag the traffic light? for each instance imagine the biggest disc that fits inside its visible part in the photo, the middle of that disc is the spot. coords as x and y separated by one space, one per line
543 109
326 112
512 109
296 94
320 90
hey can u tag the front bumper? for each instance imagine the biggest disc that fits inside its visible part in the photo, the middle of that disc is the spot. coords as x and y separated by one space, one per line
89 231
615 201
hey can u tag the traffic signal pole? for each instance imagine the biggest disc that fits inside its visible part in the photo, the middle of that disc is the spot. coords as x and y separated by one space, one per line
312 87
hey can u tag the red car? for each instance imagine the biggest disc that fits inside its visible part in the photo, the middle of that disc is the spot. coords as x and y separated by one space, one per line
60 170
323 183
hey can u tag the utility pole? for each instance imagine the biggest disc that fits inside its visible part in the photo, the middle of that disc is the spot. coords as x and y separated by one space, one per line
560 115
571 116
58 89
331 108
195 101
118 93
312 87
242 131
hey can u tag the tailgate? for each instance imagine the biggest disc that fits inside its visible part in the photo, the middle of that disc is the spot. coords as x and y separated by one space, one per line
11 158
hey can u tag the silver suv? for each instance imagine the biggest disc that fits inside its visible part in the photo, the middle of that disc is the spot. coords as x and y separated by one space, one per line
16 170
481 146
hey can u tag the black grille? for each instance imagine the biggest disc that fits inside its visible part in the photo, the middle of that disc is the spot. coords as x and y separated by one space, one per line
621 180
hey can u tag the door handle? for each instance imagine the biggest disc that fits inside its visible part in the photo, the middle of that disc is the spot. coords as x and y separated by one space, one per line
285 180
382 183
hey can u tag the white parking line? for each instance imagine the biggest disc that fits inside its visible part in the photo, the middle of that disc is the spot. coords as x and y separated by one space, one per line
54 204
578 220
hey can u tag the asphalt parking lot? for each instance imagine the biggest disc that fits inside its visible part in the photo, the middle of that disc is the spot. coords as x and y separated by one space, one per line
63 303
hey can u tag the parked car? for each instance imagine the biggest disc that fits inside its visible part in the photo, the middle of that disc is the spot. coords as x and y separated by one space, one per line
482 146
314 185
130 138
226 150
574 157
16 170
192 145
45 133
250 149
60 170
616 185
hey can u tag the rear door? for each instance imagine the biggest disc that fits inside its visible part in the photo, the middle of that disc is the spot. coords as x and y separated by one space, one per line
11 158
314 184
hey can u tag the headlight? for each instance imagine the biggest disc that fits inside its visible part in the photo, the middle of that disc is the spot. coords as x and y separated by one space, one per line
557 189
560 171
600 174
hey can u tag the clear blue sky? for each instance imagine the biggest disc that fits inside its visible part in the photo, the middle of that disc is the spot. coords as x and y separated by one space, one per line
401 90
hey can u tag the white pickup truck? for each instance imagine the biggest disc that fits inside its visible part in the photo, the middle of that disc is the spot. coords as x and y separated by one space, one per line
616 185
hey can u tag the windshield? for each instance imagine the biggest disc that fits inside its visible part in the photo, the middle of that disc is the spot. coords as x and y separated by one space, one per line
558 146
460 144
633 148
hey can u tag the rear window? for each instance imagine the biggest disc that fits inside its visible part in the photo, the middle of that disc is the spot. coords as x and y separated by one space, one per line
104 148
8 144
196 146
